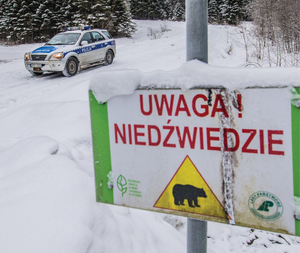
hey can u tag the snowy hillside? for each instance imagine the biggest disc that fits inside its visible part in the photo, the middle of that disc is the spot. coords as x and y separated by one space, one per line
47 192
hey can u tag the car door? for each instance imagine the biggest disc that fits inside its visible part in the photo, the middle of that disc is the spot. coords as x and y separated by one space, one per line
87 52
99 41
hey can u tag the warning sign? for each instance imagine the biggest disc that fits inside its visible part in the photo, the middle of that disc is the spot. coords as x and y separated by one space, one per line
209 154
188 192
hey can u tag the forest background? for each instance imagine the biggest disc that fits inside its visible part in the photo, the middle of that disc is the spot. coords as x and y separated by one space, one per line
277 22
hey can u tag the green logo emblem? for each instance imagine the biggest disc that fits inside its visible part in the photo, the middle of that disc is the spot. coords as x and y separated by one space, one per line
121 183
265 205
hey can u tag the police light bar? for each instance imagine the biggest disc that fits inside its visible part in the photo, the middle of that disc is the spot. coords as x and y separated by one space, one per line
74 28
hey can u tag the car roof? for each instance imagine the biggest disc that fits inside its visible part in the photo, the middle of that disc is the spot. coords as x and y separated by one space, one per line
89 30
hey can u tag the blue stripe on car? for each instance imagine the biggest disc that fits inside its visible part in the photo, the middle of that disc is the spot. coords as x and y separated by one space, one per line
87 49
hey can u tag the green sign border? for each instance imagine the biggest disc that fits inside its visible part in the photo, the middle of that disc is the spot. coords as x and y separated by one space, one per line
296 155
101 149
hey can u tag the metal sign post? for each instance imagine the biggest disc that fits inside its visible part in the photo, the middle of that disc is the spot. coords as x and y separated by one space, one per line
196 48
196 30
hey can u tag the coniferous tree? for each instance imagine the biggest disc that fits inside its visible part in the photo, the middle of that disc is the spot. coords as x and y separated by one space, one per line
155 9
4 18
158 9
65 12
37 20
82 11
121 19
178 12
24 33
139 9
60 12
245 9
228 11
100 14
166 10
233 12
48 21
213 11
224 11
12 18
17 20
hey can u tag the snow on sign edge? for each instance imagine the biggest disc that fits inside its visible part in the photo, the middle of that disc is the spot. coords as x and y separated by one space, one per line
190 75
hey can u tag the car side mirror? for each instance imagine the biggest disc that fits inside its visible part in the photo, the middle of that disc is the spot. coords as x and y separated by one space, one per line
84 43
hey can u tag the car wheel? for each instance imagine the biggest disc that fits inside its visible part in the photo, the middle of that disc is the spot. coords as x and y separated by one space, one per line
109 57
35 73
71 67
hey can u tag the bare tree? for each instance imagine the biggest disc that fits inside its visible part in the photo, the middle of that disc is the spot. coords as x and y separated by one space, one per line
277 30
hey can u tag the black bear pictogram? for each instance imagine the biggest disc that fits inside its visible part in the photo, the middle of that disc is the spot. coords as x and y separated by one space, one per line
189 192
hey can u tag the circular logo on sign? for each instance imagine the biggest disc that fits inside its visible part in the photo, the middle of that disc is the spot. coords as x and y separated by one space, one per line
265 205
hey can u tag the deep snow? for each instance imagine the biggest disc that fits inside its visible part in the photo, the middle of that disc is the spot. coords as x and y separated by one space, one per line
47 195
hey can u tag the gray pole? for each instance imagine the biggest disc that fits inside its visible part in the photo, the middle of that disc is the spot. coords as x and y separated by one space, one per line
196 236
196 48
196 30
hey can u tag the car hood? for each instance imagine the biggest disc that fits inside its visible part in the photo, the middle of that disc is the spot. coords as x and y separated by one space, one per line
49 49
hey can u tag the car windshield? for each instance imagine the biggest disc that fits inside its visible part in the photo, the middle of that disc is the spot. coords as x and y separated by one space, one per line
64 39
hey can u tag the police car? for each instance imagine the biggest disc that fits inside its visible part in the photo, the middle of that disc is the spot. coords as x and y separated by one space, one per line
72 50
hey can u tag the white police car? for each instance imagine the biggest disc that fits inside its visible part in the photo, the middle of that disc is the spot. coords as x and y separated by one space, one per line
72 50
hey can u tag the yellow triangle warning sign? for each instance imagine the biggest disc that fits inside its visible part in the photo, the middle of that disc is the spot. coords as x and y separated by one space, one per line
188 192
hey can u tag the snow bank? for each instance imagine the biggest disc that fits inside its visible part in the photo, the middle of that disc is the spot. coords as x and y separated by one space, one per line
48 205
223 239
37 203
190 75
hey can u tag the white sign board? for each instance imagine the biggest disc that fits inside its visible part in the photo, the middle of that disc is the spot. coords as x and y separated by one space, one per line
204 153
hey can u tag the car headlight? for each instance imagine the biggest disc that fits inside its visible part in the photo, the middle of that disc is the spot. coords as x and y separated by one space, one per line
57 56
27 57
